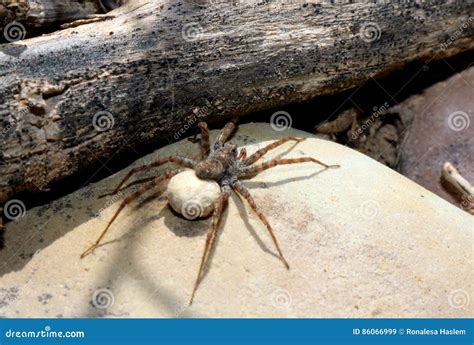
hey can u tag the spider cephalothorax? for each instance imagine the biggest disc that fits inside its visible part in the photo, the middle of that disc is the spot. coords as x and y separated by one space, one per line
222 163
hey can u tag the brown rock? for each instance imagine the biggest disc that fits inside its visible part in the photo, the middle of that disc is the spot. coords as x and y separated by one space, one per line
441 129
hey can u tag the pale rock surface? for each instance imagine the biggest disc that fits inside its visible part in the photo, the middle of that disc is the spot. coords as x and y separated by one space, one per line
190 196
361 240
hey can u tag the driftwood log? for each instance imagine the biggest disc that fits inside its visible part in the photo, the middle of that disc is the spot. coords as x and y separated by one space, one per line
75 96
42 13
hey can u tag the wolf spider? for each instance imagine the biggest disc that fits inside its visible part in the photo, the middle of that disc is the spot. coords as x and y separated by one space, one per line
222 163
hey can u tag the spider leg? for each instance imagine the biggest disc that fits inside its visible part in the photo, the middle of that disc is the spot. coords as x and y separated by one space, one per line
242 190
205 147
255 169
219 207
256 156
242 154
225 134
182 161
143 180
127 186
124 203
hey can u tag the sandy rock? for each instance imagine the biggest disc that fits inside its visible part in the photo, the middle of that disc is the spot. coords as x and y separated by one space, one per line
361 240
190 196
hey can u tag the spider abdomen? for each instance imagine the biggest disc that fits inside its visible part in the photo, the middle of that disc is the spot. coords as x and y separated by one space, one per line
210 169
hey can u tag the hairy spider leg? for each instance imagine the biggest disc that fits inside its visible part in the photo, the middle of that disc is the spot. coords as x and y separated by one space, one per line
219 207
255 169
225 134
205 147
147 179
143 180
242 190
242 154
181 161
256 156
158 179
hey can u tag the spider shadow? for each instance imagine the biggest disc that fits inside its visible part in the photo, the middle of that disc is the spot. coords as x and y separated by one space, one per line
254 184
245 217
245 214
191 228
127 259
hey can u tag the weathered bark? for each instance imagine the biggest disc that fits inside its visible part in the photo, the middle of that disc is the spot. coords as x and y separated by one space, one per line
41 13
159 65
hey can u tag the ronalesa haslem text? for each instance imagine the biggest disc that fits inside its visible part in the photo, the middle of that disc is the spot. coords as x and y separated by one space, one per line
440 331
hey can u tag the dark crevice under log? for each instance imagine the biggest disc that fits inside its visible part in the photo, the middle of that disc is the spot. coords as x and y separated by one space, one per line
158 64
